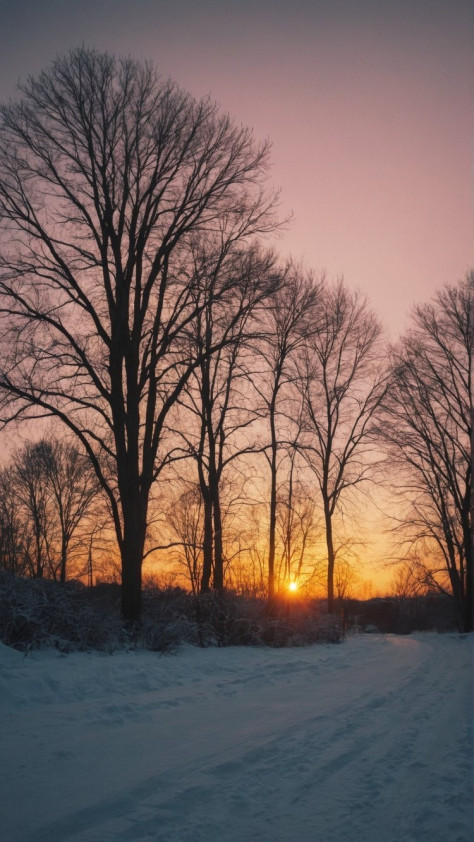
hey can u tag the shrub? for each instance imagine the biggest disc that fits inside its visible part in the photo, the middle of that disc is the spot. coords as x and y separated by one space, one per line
36 613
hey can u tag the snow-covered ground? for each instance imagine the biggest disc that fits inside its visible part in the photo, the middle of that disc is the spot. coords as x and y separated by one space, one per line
369 741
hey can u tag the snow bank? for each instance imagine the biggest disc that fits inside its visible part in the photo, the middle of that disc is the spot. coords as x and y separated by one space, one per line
370 741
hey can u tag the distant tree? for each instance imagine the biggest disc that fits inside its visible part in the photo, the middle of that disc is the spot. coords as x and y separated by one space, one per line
186 521
13 529
298 524
33 507
288 324
408 581
47 493
343 381
109 176
428 430
73 490
346 579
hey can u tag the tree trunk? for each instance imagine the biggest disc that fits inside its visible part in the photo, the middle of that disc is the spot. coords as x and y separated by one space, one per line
62 573
271 540
273 503
469 531
469 519
468 607
134 531
207 544
39 556
331 556
218 550
131 583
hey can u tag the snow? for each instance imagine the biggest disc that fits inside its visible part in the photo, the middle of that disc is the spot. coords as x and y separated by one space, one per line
367 741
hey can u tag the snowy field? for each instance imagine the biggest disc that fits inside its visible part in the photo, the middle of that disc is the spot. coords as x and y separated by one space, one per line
369 741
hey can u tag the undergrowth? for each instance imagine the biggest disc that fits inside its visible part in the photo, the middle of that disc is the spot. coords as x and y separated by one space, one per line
39 613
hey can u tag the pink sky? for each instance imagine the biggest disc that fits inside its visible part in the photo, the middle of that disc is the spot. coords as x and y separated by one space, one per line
368 103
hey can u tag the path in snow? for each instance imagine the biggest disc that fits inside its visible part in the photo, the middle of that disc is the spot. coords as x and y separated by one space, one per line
370 741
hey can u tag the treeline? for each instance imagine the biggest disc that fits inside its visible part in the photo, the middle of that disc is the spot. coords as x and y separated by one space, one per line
54 521
251 493
221 405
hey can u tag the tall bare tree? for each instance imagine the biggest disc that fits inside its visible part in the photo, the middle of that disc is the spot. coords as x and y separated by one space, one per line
217 398
288 324
343 380
428 427
108 176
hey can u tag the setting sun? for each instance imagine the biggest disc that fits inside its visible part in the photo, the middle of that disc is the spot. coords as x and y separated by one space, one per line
293 586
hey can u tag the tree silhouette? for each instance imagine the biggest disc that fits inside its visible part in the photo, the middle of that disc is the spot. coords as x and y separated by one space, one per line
288 325
428 429
217 397
109 176
47 495
343 382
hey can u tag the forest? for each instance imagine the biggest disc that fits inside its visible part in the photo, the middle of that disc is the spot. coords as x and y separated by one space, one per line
200 413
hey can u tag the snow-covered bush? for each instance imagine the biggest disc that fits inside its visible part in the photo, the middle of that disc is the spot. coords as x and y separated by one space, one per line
36 613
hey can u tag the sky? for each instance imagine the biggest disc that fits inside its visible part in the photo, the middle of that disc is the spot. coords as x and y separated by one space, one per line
368 104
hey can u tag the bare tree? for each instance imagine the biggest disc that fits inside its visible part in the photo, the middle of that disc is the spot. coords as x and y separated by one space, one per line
217 398
343 381
185 518
108 176
408 581
73 489
28 481
428 428
346 579
47 494
14 538
288 324
298 525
